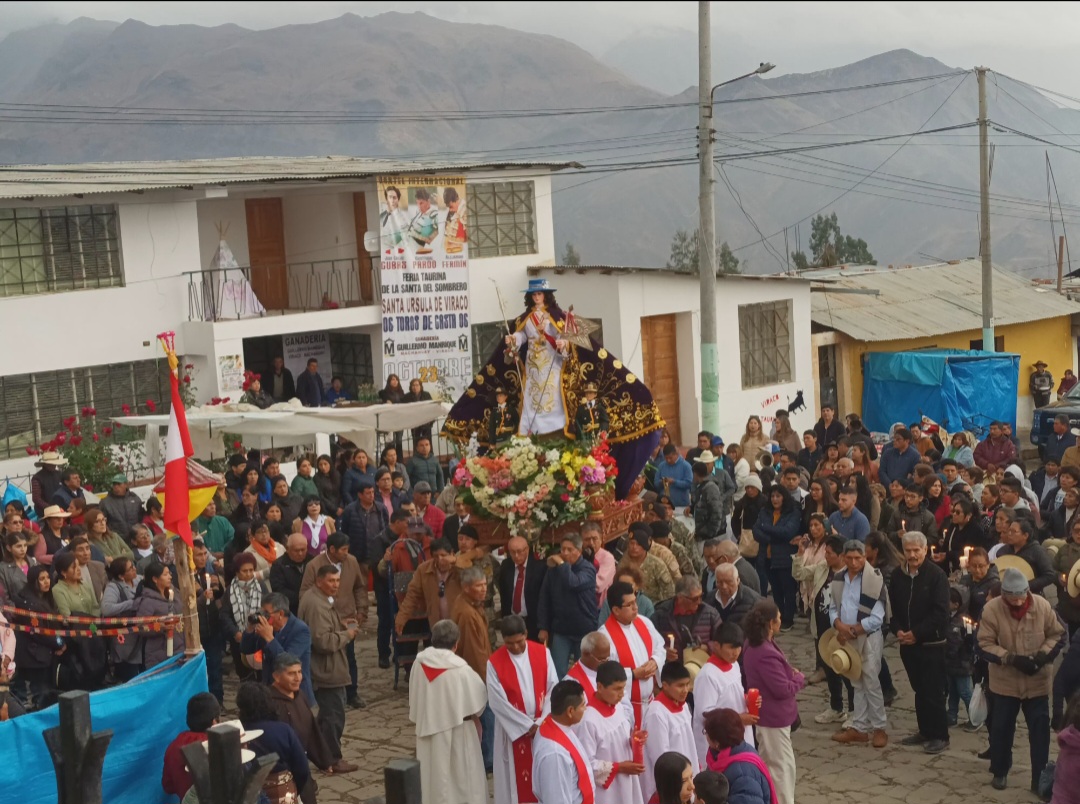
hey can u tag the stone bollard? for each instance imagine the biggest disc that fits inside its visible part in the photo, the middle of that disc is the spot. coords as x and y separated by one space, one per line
77 754
220 775
402 780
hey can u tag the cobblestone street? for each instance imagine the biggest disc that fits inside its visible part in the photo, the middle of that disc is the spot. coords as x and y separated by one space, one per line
827 772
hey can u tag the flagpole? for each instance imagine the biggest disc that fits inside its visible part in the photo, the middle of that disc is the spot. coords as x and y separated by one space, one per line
185 560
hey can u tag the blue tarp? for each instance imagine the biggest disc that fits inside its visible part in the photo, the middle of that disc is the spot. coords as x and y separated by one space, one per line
144 714
957 389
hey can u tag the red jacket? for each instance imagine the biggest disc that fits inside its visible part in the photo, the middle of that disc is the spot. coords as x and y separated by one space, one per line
999 454
175 778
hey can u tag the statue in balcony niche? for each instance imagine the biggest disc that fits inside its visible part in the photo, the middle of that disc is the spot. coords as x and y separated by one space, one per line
545 364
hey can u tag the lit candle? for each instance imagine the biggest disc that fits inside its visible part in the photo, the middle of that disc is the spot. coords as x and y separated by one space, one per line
967 550
963 562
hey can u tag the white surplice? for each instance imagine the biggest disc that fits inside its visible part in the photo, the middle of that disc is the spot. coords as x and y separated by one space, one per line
511 723
715 688
555 776
606 740
447 745
668 731
641 652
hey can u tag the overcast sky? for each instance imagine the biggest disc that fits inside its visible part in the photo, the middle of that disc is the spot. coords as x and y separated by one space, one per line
1031 41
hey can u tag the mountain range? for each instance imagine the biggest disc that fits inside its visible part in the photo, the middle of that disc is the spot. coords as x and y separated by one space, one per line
913 198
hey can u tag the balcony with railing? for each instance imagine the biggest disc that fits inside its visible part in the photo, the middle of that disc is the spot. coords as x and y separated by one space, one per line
225 294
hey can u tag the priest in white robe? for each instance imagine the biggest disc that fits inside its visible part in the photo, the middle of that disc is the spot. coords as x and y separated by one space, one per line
606 734
562 772
719 685
520 678
446 698
637 646
668 724
595 650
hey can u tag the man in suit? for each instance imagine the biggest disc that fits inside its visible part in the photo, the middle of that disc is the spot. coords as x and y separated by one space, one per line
732 599
729 554
520 579
351 601
453 523
309 386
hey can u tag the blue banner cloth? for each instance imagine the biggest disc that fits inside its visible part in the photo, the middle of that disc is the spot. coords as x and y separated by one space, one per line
145 715
957 389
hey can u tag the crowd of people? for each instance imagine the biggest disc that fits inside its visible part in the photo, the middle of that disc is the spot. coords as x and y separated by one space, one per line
647 668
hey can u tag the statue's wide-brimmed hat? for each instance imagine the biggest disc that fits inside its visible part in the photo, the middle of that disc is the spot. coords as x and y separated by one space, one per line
538 286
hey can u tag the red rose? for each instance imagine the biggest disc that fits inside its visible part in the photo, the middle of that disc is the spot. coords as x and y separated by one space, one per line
31 451
565 498
76 440
61 438
151 405
88 487
237 445
125 408
93 411
117 425
187 380
69 422
97 437
106 431
189 366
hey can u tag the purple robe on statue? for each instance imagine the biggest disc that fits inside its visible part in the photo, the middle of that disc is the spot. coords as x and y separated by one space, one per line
635 419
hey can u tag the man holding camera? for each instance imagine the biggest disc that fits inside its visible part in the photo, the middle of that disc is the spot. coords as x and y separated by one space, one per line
275 631
330 636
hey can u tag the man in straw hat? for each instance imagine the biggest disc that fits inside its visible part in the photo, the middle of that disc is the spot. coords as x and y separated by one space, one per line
1041 384
858 609
1020 636
46 479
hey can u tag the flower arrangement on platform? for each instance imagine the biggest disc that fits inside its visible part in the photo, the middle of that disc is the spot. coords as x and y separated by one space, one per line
534 485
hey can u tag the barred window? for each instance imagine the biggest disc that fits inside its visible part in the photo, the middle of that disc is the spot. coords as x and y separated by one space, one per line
765 344
62 248
485 340
502 218
350 354
33 406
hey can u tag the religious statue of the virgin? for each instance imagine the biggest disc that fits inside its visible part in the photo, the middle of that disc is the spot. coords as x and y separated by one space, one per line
545 368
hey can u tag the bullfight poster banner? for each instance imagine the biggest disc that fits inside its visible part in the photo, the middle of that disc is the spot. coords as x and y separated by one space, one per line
424 281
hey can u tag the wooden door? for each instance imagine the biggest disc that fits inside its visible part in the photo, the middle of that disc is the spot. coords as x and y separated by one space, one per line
659 355
363 259
266 251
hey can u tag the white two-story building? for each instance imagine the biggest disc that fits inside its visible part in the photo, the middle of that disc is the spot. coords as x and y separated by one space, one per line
96 259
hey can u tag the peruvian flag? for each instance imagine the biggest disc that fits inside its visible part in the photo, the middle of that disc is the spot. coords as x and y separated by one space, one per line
177 450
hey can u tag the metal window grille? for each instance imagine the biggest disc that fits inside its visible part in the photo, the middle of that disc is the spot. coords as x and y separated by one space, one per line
485 340
34 406
350 353
63 248
765 343
502 219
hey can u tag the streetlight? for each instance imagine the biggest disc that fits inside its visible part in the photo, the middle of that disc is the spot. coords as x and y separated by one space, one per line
710 373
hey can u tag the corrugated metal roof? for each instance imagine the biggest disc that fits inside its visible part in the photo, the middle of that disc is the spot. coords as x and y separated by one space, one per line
927 300
624 270
30 181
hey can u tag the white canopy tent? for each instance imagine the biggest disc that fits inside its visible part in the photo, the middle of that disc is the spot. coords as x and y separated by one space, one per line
286 424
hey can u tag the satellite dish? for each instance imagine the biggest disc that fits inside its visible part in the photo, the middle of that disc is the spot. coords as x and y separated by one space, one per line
371 242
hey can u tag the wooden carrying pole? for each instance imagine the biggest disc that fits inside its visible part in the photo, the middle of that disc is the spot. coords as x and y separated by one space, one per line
188 591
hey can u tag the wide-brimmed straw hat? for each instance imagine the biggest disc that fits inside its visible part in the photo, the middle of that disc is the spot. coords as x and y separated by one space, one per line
844 660
1014 562
1072 584
51 459
54 510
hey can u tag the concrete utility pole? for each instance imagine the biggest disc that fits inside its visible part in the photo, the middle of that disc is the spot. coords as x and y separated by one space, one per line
984 217
710 371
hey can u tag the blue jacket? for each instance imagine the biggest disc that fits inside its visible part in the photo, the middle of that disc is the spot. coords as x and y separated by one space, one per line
778 537
281 739
746 784
356 524
682 478
350 484
856 526
568 600
294 638
896 466
309 390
